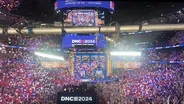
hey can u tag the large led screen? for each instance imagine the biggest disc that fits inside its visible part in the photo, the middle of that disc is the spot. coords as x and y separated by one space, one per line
86 17
73 40
61 4
90 66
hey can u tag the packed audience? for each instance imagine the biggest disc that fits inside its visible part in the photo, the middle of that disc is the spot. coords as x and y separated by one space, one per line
164 55
177 39
150 84
29 84
25 82
10 4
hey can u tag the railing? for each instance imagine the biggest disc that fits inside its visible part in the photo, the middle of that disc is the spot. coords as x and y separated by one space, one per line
104 29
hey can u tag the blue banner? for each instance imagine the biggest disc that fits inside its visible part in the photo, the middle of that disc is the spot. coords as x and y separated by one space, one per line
82 4
71 40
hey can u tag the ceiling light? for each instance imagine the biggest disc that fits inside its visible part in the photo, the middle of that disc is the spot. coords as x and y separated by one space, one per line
49 56
146 31
145 23
125 53
179 12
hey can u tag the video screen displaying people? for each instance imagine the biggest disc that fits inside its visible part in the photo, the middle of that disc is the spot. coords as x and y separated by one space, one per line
94 58
90 67
102 59
86 17
99 74
85 59
83 18
78 59
101 65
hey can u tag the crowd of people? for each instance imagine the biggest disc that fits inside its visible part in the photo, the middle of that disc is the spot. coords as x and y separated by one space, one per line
157 84
10 4
31 84
175 40
164 55
24 80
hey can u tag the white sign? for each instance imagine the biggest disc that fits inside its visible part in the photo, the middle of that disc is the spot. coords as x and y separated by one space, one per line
76 98
79 41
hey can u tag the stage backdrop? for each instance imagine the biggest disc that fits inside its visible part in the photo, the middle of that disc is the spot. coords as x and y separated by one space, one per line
90 66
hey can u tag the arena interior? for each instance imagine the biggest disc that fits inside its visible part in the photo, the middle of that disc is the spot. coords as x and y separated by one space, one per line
91 52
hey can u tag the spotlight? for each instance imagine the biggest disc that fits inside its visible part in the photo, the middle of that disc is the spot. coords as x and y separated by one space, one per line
125 53
179 12
49 56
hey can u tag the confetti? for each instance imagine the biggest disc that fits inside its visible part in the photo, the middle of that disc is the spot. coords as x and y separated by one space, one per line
23 79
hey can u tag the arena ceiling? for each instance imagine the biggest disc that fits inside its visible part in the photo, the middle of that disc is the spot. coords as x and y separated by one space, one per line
127 13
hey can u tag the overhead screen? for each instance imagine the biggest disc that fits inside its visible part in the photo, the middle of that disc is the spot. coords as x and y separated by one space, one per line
87 17
84 18
63 4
